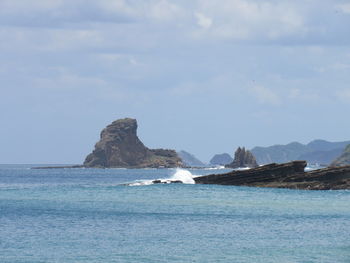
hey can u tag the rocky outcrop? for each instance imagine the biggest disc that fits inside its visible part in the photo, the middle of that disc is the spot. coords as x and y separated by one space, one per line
190 160
343 159
243 158
287 175
221 159
270 172
119 146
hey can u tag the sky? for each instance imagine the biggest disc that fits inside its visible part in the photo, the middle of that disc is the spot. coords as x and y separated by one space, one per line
198 75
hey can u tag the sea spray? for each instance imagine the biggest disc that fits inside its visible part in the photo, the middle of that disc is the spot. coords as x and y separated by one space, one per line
182 175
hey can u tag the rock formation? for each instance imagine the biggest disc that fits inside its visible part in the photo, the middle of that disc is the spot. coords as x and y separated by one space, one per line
287 175
190 160
119 146
221 159
243 158
343 159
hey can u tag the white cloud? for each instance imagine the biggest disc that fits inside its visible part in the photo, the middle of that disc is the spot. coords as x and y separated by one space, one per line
66 81
265 95
317 50
118 59
345 8
203 21
240 20
340 66
336 67
163 10
294 93
13 6
73 39
243 19
118 6
343 95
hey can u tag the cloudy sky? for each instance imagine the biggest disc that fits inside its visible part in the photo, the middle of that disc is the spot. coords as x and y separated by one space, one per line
200 75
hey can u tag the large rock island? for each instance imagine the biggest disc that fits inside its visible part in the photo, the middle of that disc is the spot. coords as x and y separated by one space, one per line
119 146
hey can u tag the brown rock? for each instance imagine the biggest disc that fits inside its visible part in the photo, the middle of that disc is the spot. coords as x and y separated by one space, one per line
119 146
288 175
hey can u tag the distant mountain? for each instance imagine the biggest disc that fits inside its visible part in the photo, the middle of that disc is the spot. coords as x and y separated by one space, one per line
321 157
189 159
343 159
221 159
317 151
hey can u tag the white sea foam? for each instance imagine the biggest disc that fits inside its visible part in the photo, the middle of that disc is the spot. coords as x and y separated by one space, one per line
241 168
182 175
219 167
140 183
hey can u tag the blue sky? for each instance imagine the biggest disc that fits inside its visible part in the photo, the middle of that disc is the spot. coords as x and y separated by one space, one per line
203 76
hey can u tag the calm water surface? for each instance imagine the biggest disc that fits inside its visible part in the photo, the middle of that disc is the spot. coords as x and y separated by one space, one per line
86 215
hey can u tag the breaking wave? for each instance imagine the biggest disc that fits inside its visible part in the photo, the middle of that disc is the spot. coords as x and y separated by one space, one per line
180 176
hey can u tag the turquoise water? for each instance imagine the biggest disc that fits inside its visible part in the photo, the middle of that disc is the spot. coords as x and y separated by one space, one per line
85 215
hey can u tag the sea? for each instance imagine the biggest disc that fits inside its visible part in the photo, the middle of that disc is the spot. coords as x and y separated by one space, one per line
118 215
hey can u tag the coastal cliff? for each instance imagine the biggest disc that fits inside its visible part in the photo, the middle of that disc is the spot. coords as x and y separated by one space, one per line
119 146
288 175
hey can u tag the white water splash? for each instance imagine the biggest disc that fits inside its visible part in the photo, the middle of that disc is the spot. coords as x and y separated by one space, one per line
184 176
141 183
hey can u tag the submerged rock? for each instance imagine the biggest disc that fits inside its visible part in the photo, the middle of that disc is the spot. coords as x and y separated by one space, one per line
243 158
167 182
119 146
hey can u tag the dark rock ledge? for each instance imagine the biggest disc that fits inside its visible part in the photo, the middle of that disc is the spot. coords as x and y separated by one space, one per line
288 175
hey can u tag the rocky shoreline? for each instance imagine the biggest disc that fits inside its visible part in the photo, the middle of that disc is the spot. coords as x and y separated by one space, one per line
120 147
288 175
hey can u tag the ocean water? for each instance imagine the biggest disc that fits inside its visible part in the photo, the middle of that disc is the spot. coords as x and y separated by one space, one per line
90 215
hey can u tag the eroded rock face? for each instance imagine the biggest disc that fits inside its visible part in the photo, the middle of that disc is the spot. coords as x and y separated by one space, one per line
243 158
343 159
119 146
